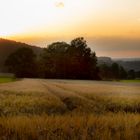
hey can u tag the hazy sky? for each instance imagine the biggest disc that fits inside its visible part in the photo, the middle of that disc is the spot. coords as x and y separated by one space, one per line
111 27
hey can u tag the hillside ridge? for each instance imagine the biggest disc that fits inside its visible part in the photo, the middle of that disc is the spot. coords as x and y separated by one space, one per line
9 46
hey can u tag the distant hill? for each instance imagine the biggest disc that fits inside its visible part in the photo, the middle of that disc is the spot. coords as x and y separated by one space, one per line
127 59
127 63
9 46
102 60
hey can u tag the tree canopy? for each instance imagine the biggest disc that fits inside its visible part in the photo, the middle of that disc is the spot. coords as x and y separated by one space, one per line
112 72
74 60
22 62
64 61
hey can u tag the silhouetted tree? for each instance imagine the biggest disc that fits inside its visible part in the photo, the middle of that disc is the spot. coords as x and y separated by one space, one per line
22 62
115 71
105 72
138 74
74 60
131 74
83 62
54 60
122 73
9 46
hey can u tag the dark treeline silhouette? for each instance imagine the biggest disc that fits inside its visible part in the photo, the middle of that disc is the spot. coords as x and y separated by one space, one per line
58 60
22 62
113 71
64 61
9 46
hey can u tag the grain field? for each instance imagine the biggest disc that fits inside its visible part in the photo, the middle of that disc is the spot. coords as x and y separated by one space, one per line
38 109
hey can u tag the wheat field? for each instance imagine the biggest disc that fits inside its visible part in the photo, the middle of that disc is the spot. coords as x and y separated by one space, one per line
38 109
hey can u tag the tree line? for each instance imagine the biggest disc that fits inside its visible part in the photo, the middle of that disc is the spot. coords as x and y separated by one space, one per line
115 72
58 60
64 61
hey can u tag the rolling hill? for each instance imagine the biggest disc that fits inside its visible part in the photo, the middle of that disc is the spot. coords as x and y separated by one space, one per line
127 63
9 46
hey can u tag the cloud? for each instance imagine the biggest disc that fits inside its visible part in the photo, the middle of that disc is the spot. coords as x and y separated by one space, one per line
59 4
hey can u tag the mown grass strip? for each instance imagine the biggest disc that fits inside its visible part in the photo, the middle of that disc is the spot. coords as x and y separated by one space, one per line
131 81
7 79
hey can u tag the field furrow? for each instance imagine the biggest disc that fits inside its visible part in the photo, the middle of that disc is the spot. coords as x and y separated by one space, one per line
38 109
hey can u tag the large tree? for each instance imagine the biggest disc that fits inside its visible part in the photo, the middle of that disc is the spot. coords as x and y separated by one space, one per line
122 73
82 60
115 70
105 72
74 60
131 74
54 60
22 62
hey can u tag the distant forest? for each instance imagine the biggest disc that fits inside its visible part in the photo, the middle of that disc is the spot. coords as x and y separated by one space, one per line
60 60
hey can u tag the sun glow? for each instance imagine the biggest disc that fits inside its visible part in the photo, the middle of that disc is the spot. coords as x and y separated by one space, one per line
35 21
26 16
19 16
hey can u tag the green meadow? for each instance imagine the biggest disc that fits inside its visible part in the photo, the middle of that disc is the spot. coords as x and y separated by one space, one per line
6 79
131 81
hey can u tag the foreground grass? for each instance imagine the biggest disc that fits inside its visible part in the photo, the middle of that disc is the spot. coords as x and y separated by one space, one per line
39 116
69 110
131 81
71 127
37 103
6 79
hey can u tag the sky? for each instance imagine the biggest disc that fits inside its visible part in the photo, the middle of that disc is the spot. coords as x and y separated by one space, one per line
111 27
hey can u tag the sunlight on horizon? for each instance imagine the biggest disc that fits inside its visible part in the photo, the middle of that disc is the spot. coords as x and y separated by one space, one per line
38 20
53 17
34 16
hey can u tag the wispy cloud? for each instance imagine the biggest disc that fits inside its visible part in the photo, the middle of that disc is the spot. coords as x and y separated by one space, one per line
59 4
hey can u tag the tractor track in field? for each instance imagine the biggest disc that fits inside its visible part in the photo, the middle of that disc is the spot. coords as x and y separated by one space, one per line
73 95
70 98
